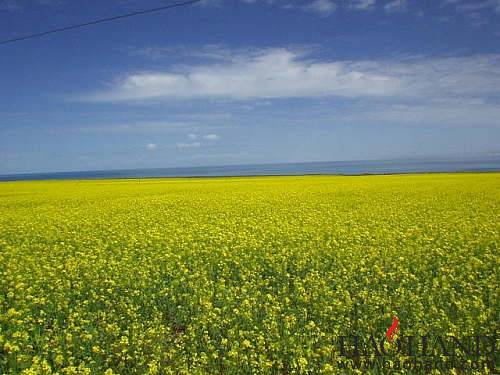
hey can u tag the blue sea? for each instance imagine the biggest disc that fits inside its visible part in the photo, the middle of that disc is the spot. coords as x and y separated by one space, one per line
294 169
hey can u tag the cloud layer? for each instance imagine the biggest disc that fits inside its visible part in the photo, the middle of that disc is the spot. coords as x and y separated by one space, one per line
325 8
269 73
286 73
322 7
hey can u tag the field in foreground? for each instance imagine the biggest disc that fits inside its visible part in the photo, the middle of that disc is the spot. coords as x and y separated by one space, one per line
239 275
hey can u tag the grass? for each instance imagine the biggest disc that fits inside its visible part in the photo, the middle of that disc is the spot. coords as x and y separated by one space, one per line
239 275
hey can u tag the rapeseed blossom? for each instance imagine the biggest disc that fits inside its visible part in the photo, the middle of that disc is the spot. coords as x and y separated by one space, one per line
239 275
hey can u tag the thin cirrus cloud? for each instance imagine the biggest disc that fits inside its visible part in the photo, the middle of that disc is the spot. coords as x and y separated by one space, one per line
478 12
395 6
194 140
322 7
285 73
188 145
362 4
17 5
10 5
325 8
211 137
474 6
457 113
208 137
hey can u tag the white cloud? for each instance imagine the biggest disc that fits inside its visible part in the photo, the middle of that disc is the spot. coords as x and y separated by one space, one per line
322 7
188 145
192 136
211 137
442 77
151 146
284 73
327 7
362 4
395 6
267 73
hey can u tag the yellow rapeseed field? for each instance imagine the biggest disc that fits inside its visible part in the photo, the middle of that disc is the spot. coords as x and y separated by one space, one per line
240 275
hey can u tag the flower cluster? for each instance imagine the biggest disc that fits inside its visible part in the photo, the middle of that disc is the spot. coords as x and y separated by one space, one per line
238 275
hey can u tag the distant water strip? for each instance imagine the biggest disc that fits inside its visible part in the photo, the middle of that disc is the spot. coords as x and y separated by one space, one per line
282 169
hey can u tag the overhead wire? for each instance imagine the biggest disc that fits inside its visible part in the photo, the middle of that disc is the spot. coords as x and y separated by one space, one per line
101 20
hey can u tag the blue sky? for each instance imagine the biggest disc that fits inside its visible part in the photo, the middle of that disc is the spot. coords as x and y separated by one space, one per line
242 81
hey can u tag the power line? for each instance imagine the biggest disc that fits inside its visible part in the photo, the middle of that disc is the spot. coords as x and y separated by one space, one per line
102 20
